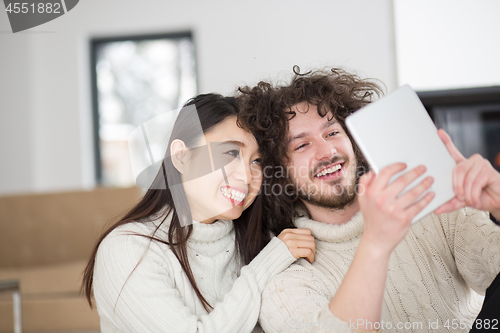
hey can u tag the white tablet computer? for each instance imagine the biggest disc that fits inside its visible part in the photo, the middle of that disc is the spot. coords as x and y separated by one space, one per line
397 128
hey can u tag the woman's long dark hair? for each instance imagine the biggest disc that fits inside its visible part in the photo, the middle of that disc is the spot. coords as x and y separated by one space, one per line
251 234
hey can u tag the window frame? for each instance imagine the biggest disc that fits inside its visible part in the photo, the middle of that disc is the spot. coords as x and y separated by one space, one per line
95 43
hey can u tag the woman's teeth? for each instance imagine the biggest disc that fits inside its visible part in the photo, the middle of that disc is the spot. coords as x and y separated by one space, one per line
233 194
329 170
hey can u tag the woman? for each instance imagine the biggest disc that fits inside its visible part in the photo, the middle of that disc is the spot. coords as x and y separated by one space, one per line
173 263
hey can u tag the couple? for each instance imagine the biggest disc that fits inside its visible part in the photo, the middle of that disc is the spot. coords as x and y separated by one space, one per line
200 254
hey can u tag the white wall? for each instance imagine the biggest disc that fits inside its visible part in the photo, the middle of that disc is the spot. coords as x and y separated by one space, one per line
448 43
45 115
16 113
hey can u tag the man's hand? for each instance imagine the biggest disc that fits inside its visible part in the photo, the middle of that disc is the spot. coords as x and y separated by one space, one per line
475 182
387 217
386 212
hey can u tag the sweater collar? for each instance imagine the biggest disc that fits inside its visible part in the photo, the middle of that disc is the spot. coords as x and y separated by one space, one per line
202 232
332 233
212 232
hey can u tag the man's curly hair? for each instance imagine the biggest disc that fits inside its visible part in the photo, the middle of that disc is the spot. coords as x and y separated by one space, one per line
266 109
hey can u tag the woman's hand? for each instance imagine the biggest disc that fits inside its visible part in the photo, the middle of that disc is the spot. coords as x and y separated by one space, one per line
387 213
300 243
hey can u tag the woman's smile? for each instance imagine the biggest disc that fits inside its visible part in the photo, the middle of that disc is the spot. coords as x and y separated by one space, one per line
236 196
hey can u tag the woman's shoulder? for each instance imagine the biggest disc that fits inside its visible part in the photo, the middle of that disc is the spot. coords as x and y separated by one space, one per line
129 249
156 226
134 227
132 239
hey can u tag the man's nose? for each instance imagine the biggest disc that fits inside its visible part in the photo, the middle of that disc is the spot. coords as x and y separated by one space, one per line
324 150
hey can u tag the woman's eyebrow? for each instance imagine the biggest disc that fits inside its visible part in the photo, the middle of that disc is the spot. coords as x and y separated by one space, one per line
234 142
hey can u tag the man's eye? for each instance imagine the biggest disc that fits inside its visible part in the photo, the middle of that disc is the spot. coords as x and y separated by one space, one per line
301 146
233 152
332 133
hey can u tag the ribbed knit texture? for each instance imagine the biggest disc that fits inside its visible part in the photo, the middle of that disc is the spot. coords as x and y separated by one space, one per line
156 296
430 276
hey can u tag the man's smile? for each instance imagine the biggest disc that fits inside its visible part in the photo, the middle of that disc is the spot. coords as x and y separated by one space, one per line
330 171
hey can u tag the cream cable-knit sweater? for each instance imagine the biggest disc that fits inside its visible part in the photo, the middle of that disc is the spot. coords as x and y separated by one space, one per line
428 281
156 296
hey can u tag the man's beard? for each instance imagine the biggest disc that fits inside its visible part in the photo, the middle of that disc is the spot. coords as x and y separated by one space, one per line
338 196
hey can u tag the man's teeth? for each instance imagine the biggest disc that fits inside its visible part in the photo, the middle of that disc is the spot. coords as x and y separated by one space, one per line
233 194
329 170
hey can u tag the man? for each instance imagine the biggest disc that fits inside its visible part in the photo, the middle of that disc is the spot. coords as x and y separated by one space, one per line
373 269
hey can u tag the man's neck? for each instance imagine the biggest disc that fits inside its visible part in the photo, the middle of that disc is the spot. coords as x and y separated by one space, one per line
333 216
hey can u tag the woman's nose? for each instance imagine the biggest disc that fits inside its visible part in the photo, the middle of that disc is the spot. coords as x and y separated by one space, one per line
242 171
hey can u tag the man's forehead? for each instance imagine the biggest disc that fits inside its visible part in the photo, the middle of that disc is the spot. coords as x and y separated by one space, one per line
303 107
303 124
308 108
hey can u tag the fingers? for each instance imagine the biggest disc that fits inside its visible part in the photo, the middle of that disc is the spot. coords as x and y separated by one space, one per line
388 198
471 179
302 250
417 207
409 197
387 213
392 191
364 182
408 202
403 181
459 174
470 185
306 253
450 206
476 191
367 178
300 243
380 182
299 231
454 152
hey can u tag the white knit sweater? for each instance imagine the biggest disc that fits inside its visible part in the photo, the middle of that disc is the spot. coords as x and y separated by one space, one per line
156 296
429 280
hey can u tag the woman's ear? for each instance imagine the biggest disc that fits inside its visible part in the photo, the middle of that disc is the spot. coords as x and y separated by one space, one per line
179 153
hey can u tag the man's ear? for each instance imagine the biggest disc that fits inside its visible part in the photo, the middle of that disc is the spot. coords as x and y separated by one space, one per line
180 154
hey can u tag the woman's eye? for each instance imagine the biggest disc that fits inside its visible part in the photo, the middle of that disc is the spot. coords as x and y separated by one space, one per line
233 152
257 161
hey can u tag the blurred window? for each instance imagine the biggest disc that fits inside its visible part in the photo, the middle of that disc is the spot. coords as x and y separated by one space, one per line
135 79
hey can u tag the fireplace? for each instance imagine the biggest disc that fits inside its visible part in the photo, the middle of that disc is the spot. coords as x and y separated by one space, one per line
470 116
